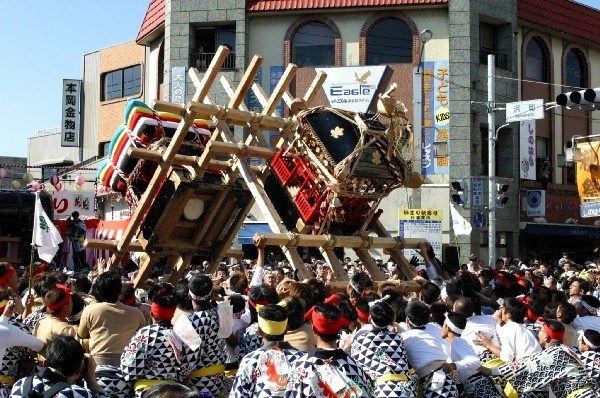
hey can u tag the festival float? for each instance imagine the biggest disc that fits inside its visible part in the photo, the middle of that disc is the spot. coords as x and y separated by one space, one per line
191 186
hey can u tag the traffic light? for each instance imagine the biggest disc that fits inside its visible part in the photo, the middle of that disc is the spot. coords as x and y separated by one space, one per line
458 192
502 197
592 95
587 99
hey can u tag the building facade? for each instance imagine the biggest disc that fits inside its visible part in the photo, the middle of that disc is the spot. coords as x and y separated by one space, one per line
534 59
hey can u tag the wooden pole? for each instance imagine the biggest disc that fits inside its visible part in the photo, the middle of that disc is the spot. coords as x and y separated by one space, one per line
352 242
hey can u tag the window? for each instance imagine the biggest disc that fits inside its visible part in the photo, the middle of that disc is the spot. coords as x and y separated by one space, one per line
208 40
313 45
122 83
390 41
535 62
575 69
488 41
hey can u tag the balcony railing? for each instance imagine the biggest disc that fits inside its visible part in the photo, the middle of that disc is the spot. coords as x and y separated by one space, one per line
501 59
201 61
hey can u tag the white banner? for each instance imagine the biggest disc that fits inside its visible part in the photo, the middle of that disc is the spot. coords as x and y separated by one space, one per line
46 236
352 87
459 224
66 202
527 162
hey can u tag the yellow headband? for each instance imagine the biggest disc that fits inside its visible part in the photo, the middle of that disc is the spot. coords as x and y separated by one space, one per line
3 303
273 328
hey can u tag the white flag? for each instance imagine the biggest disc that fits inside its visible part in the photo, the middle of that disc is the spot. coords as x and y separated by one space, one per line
459 224
46 236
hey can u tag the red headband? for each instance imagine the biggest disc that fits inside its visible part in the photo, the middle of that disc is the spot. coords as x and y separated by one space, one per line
364 315
41 268
325 325
163 313
63 302
130 301
531 316
4 278
261 302
553 334
333 299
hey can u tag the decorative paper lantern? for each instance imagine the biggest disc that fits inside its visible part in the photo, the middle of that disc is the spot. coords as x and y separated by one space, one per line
101 189
27 178
3 173
79 188
35 185
15 184
79 180
54 179
58 186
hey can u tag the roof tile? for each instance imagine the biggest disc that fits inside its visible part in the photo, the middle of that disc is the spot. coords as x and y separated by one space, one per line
563 16
155 16
279 5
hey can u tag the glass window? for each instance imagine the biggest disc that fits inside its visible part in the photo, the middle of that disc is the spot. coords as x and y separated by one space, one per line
313 45
390 41
487 36
575 69
535 63
122 83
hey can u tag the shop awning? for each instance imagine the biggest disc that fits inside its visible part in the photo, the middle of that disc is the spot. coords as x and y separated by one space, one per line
563 229
246 233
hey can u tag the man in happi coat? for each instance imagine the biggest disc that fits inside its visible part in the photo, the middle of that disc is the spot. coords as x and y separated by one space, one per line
150 357
264 372
327 371
589 346
556 367
466 362
203 352
426 354
382 356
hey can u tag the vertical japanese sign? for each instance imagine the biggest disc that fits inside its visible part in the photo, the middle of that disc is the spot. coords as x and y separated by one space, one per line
425 224
71 116
527 149
275 74
477 192
436 116
178 85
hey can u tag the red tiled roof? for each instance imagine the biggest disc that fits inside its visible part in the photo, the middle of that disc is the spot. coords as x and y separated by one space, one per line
562 15
155 16
277 5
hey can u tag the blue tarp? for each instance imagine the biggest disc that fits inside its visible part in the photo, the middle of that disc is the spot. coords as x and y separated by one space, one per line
246 233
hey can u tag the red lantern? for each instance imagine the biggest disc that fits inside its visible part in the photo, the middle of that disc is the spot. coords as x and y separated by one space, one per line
54 180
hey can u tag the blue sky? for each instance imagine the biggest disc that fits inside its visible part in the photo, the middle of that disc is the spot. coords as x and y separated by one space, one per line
45 43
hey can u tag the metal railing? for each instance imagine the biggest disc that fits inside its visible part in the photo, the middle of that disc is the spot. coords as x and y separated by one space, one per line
201 61
501 59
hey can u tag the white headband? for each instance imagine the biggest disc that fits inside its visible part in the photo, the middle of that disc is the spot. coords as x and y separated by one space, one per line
383 299
453 327
199 298
586 341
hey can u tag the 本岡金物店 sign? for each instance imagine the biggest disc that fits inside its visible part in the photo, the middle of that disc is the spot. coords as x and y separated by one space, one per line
71 117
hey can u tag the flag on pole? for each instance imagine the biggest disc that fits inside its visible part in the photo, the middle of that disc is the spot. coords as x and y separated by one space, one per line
46 236
459 224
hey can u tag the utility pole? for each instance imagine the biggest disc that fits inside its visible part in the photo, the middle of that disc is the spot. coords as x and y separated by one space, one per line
491 104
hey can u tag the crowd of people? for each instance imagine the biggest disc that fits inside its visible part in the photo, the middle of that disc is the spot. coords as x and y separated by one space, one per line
516 329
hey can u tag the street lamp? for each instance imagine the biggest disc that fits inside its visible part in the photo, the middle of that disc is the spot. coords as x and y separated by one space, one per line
426 35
